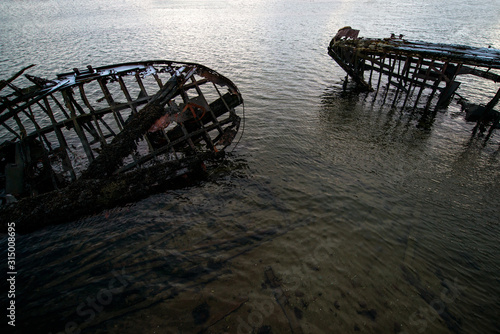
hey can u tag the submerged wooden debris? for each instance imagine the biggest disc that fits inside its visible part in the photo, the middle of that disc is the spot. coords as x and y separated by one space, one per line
97 137
282 301
421 74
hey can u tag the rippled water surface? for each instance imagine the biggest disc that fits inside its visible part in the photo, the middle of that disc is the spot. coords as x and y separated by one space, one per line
332 215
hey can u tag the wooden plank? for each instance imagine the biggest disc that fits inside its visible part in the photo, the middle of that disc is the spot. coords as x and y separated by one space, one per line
486 57
349 71
78 129
123 144
109 98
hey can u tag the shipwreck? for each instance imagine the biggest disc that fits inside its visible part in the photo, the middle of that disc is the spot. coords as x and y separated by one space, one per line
99 137
419 74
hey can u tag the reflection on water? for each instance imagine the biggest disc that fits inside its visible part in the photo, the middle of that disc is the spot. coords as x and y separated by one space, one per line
334 215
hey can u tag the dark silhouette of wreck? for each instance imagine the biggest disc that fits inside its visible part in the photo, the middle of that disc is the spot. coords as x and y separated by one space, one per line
420 74
100 137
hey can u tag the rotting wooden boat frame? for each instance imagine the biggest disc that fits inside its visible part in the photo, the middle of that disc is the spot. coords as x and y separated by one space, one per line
418 71
118 123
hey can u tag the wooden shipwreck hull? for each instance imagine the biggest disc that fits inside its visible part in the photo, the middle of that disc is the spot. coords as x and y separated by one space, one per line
419 74
99 137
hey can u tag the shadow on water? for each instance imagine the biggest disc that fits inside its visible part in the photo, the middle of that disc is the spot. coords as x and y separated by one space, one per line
93 274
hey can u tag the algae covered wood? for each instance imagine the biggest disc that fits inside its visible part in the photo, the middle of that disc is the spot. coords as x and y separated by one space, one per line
99 128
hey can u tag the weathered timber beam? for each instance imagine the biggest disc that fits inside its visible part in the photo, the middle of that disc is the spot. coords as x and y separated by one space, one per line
124 143
492 103
218 107
480 73
359 80
194 136
4 83
445 52
412 80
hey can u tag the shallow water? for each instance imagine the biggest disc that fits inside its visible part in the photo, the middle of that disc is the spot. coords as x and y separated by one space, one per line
368 222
